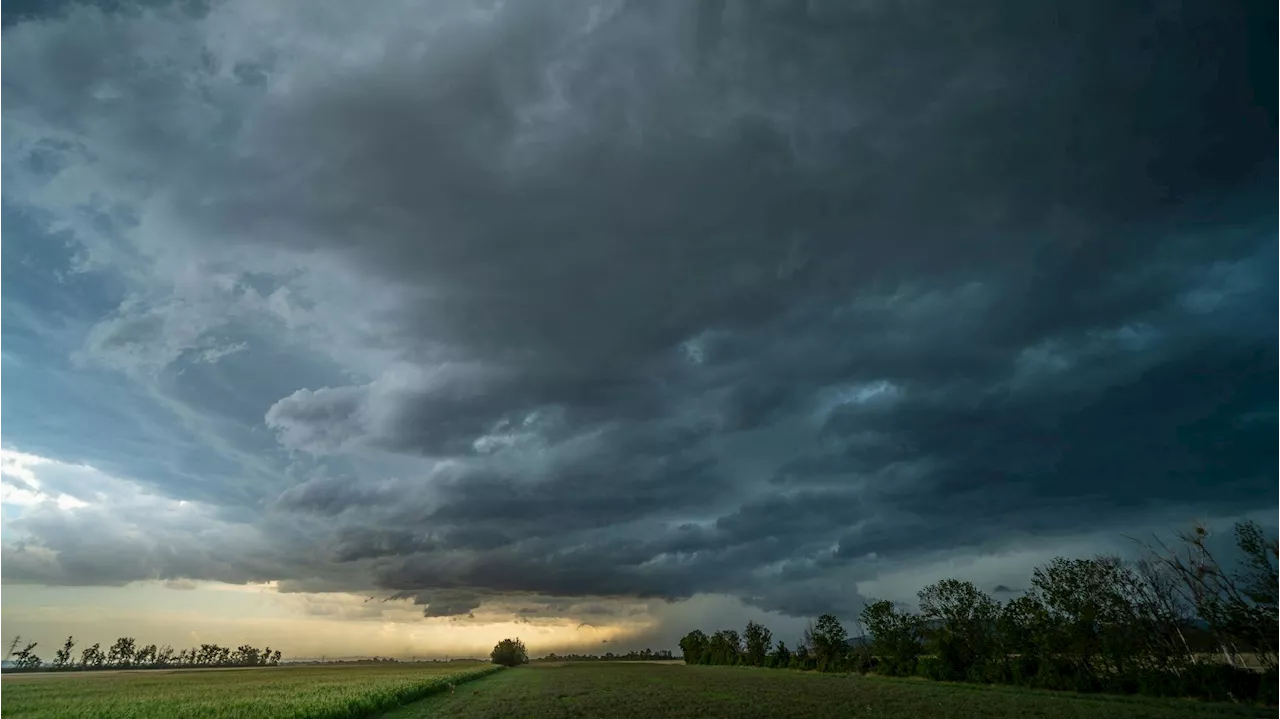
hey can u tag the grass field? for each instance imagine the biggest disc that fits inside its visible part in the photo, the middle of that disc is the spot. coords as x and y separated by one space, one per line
285 692
653 690
571 690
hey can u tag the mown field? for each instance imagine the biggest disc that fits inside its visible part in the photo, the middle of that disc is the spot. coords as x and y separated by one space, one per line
284 692
645 691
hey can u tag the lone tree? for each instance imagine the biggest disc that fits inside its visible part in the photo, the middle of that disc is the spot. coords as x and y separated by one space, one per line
509 653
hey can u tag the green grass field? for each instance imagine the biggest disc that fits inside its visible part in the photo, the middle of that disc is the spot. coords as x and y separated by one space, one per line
285 692
572 690
654 690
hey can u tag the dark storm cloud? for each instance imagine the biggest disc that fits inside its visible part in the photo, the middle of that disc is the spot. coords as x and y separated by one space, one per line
881 166
739 297
1002 181
446 603
808 200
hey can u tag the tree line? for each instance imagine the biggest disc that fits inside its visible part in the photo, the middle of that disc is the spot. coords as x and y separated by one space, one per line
126 654
1176 622
643 655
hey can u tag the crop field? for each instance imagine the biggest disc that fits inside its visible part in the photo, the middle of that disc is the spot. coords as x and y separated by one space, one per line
630 689
286 692
645 691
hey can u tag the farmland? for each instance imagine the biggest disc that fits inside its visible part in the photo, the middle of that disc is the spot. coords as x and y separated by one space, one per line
324 692
647 690
582 689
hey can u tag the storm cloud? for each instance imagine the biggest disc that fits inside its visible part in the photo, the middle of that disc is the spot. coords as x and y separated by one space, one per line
647 299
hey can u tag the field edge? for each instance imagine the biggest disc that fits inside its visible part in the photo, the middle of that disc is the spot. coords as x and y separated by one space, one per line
409 695
412 708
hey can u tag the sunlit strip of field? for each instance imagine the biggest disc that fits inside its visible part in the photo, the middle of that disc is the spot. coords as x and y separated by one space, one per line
300 692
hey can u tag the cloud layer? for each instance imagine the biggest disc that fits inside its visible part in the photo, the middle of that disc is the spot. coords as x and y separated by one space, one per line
638 299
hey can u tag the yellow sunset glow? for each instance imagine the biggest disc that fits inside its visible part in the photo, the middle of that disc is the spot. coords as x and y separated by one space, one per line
301 625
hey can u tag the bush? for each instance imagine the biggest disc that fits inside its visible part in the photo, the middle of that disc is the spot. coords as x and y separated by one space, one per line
989 672
509 653
1223 682
862 661
1023 670
1268 687
931 668
1159 684
899 666
1063 675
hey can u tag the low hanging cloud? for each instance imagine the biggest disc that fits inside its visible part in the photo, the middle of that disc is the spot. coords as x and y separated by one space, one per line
652 300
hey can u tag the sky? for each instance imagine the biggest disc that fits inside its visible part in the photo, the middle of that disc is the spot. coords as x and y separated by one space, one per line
399 328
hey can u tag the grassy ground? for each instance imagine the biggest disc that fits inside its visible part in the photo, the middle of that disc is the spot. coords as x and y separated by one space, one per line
296 692
650 690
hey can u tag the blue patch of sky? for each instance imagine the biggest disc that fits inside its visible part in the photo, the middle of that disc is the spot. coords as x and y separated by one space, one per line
81 414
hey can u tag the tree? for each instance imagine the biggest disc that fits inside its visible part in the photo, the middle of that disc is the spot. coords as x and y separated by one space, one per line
782 655
27 659
509 653
62 658
1090 618
245 656
758 640
830 643
895 637
1160 617
802 658
1238 605
1022 629
92 657
211 655
147 656
121 653
961 622
724 648
694 646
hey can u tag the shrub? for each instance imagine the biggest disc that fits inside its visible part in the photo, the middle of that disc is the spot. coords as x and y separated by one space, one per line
1223 682
862 661
509 653
931 668
1268 687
